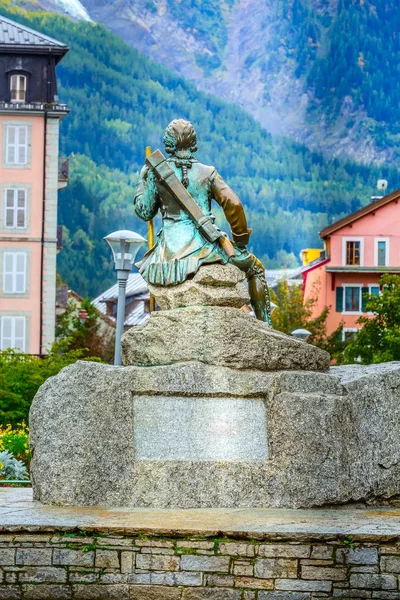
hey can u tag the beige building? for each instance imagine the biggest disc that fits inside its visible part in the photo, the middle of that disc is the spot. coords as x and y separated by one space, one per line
30 178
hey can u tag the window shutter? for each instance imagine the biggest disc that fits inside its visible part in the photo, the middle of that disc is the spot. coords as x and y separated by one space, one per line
6 332
339 299
21 208
8 272
9 193
19 333
20 279
11 145
364 291
22 145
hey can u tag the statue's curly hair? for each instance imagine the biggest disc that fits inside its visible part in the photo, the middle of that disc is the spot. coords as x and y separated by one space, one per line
180 135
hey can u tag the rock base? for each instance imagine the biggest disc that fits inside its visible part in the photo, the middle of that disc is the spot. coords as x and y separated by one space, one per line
193 435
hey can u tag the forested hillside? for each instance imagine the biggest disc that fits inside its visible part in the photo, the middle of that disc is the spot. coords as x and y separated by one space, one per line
121 101
323 71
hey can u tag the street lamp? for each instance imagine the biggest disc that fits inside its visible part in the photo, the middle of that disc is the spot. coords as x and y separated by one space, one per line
124 245
301 334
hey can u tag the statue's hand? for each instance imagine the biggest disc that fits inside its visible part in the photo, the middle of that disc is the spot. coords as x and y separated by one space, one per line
242 259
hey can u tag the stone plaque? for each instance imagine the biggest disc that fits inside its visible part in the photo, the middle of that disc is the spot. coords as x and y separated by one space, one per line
178 428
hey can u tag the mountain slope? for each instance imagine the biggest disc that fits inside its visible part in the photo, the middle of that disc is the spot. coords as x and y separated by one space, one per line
322 71
121 101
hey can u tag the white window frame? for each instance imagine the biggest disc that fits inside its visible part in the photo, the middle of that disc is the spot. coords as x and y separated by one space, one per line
13 320
344 252
349 330
15 207
18 88
352 285
17 145
387 256
14 272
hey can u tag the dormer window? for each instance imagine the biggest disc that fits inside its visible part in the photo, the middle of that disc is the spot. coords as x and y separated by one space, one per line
18 88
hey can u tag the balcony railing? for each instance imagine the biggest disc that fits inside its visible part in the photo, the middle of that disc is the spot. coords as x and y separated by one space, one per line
34 106
63 172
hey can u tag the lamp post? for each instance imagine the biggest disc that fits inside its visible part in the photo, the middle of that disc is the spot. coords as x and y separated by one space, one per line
301 334
124 245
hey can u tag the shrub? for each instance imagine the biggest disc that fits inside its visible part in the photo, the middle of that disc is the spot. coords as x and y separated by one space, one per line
21 375
16 441
11 468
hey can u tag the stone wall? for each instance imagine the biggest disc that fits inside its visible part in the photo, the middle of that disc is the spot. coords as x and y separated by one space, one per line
84 566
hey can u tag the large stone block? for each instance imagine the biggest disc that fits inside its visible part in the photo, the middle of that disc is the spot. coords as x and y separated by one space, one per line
324 441
217 335
212 285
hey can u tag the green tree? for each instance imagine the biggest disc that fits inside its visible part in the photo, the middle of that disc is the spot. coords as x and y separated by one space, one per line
379 338
293 312
21 375
82 335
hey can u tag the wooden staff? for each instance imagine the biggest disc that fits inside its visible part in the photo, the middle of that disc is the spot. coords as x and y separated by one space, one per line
150 239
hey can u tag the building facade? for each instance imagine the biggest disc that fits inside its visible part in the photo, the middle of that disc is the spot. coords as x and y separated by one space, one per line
358 250
30 178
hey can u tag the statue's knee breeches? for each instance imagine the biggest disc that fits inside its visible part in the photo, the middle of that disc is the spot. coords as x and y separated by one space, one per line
258 288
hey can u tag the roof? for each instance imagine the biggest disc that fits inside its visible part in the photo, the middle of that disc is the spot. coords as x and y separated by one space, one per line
20 37
373 206
136 287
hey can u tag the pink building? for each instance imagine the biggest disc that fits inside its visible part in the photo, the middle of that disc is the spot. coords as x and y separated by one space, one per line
358 250
30 115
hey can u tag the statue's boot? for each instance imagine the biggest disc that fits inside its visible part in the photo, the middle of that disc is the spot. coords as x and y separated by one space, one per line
258 288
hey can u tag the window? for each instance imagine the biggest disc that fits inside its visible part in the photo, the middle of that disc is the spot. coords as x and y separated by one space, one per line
15 208
352 299
12 333
373 289
18 88
17 145
381 252
14 272
349 334
353 253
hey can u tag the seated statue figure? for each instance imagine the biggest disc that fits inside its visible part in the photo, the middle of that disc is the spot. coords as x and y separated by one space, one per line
181 248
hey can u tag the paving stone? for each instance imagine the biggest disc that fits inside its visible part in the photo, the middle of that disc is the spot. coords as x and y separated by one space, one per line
243 568
77 577
205 563
283 596
322 552
127 562
198 544
107 559
212 580
299 585
46 592
43 575
7 556
101 592
157 551
73 557
386 595
379 582
157 562
234 549
323 573
10 592
356 594
390 564
365 569
154 543
283 568
254 583
34 556
209 594
363 556
284 551
153 593
114 578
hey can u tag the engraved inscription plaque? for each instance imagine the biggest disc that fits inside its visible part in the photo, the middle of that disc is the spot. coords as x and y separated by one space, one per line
177 428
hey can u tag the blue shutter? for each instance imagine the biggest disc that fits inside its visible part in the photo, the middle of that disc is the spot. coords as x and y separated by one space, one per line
364 292
339 299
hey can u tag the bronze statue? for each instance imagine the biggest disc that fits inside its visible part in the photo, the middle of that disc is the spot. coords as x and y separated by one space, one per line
182 189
